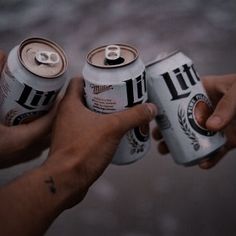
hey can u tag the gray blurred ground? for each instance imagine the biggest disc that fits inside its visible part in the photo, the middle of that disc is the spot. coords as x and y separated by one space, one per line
153 196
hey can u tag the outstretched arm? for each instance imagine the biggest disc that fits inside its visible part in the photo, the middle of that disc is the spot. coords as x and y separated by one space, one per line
83 145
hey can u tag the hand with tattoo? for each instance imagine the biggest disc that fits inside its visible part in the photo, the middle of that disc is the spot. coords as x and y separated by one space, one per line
84 142
83 145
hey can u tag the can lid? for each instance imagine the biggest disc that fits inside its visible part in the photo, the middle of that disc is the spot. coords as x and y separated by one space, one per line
111 56
162 56
42 57
112 52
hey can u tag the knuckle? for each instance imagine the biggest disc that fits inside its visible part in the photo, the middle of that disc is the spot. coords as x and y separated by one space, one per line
113 127
207 80
21 144
226 101
145 114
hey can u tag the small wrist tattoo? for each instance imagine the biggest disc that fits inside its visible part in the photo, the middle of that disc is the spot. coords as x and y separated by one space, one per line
51 184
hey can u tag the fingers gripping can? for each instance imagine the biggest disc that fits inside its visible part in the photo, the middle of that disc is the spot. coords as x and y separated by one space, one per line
31 79
175 87
114 81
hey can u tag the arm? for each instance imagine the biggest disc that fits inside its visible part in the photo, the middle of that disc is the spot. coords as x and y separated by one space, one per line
83 144
29 204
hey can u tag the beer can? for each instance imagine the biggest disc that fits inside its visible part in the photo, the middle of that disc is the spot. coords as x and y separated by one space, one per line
32 77
184 107
114 81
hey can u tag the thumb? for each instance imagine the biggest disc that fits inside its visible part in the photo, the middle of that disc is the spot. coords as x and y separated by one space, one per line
2 59
223 113
136 116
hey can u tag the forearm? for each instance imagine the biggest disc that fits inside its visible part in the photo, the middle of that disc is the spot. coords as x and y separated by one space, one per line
10 155
29 204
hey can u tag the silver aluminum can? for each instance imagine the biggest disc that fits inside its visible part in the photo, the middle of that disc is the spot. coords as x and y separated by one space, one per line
114 81
175 87
32 77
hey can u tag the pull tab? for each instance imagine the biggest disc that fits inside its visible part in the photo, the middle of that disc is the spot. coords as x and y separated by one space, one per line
46 57
112 52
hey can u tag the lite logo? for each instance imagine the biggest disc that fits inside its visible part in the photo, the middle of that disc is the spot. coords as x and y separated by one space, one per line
136 90
31 99
180 80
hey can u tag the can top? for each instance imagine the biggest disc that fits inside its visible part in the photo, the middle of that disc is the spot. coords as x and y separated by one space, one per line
162 57
42 57
112 56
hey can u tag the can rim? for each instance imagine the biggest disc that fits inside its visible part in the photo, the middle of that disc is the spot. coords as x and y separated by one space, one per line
172 53
41 39
100 48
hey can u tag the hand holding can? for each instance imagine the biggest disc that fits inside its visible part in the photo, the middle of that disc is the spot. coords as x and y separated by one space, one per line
33 75
185 107
24 142
115 80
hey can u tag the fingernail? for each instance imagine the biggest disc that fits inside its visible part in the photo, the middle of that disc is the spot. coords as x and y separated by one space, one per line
215 120
204 164
152 108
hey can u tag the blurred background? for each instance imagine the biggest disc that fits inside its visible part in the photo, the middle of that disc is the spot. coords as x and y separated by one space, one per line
153 196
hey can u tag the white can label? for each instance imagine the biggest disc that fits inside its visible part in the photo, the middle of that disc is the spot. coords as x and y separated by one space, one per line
185 108
112 98
21 103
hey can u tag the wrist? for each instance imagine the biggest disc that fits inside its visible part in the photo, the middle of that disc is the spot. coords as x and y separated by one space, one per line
62 181
41 196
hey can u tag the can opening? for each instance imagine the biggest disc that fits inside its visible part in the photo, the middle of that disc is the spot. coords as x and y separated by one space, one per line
46 57
112 55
